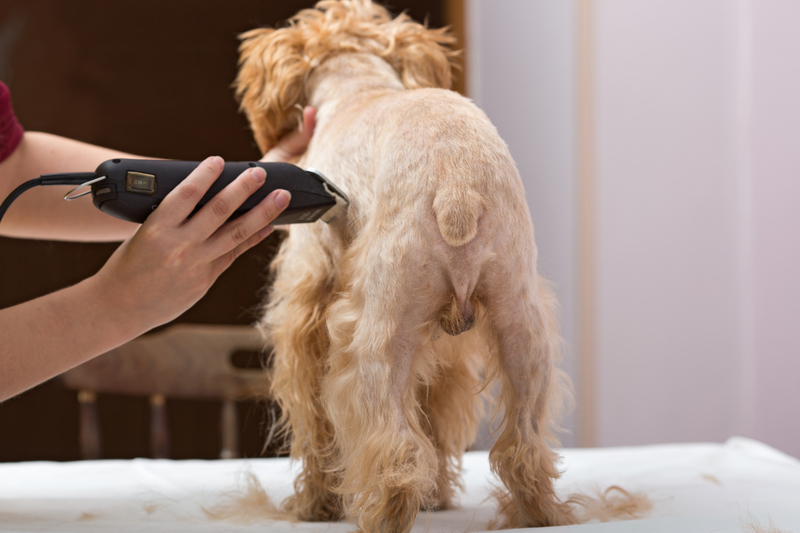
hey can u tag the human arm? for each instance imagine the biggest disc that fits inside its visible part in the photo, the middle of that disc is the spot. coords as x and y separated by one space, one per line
42 213
162 270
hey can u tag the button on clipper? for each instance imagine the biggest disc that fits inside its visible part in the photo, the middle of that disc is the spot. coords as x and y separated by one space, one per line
140 182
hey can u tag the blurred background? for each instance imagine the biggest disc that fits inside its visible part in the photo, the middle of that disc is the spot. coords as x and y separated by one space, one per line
658 142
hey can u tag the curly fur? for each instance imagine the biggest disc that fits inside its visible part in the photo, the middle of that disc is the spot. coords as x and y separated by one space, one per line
376 402
275 63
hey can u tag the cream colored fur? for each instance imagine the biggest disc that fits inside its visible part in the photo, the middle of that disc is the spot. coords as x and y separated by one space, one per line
378 402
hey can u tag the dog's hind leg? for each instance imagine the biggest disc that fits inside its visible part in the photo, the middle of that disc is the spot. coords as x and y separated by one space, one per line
385 459
522 317
453 405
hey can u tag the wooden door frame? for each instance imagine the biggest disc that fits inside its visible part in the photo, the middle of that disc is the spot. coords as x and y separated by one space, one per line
455 17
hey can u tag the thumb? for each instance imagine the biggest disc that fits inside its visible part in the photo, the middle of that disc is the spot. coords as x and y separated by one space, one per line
294 145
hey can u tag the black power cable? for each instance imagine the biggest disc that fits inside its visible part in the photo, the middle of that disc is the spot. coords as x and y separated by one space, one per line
72 178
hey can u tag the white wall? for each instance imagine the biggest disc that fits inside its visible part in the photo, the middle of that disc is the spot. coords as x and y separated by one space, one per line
521 75
696 183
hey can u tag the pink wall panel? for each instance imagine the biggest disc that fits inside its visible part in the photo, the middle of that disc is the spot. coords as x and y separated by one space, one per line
776 222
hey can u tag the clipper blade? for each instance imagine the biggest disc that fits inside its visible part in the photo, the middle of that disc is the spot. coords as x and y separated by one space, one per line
342 203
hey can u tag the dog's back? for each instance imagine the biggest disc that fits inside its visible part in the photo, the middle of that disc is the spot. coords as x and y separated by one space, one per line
426 169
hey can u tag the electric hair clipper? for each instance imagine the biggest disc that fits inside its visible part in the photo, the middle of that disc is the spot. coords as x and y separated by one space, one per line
131 189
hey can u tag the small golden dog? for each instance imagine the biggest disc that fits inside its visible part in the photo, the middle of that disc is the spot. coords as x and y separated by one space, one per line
376 402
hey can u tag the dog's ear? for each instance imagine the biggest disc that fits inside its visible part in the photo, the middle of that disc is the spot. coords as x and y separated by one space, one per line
270 83
275 63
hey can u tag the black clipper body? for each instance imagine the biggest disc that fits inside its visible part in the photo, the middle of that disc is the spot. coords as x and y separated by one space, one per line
133 188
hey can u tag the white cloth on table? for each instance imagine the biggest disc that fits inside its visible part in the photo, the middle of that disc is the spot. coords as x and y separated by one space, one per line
694 488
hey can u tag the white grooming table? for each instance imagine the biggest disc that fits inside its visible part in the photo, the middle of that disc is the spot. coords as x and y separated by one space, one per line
694 488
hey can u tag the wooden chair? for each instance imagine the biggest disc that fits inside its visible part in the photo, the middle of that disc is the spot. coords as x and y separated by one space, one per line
182 361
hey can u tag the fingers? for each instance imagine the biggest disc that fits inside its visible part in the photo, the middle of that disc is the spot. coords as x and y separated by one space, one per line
180 203
309 123
294 145
214 214
256 222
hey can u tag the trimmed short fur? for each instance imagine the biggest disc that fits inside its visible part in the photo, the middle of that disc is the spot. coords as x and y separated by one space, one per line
389 324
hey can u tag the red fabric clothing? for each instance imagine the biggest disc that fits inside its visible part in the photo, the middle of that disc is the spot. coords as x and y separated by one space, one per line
10 128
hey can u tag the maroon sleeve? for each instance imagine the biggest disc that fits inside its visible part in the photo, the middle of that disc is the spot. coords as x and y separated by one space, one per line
10 128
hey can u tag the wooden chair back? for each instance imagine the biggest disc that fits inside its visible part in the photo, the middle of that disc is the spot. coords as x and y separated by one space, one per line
182 361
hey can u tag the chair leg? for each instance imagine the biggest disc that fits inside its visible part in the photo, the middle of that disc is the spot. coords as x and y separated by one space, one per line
229 428
159 427
90 442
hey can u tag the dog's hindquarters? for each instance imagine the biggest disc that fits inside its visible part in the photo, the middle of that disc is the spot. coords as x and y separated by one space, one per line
495 274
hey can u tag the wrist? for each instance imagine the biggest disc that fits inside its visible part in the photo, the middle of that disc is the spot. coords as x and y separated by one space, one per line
109 307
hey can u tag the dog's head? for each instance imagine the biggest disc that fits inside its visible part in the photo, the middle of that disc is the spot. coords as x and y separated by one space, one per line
275 64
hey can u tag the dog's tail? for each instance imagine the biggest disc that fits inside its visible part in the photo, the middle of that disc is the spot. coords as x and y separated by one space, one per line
457 212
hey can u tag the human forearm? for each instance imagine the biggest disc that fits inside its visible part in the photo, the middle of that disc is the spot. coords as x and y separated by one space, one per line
44 337
42 213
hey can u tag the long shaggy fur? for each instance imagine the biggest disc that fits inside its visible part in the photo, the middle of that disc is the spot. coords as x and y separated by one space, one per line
388 325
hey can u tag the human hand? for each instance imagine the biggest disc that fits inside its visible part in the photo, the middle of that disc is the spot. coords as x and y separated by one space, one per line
294 145
171 261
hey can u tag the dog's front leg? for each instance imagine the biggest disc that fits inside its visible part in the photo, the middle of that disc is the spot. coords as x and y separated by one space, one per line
386 463
527 339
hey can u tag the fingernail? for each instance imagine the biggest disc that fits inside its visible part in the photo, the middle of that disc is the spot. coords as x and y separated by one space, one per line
259 174
218 161
265 231
282 199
